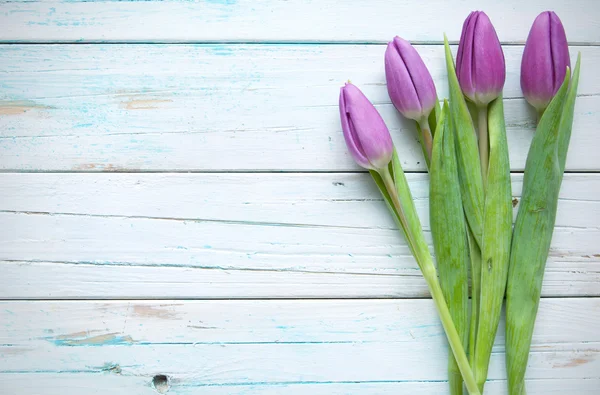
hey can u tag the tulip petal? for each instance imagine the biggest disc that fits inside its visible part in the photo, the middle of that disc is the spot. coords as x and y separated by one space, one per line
464 65
350 136
488 70
560 57
366 134
545 60
419 75
480 64
400 85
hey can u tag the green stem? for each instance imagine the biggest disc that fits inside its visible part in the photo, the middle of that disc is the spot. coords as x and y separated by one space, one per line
430 274
388 181
539 114
484 148
426 140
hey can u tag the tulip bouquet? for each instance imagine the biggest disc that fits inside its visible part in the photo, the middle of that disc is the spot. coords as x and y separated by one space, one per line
470 189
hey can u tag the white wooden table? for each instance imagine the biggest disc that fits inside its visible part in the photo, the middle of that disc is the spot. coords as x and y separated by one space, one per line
178 212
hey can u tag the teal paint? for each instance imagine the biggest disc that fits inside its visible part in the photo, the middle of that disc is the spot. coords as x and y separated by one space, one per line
109 339
220 50
221 2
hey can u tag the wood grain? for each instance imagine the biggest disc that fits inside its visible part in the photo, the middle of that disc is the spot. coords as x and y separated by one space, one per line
263 345
226 107
241 236
274 267
279 21
103 382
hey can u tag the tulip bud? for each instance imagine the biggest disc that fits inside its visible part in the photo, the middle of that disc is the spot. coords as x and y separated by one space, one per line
367 137
545 60
409 83
480 61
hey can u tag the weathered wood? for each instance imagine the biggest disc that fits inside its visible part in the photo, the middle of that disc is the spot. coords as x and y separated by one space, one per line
274 21
205 235
108 382
226 107
261 344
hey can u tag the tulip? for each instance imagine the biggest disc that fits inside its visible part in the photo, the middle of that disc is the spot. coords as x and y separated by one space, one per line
411 88
409 83
545 60
367 137
480 61
481 73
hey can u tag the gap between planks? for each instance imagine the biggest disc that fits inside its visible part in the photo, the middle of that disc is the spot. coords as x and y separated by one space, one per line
258 42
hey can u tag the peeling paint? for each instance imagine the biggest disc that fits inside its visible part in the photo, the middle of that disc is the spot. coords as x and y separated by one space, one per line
144 104
99 167
575 362
19 107
155 312
83 339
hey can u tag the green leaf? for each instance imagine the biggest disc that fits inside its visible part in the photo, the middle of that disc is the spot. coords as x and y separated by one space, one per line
566 122
449 231
469 167
533 231
497 231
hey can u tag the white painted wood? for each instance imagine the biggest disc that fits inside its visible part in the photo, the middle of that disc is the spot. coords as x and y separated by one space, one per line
101 384
258 345
172 236
226 107
295 20
241 236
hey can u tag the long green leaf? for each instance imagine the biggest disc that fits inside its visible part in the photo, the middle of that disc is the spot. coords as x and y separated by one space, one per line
533 228
469 167
497 231
449 232
566 122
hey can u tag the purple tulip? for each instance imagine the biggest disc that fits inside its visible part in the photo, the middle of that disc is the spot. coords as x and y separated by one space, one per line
409 83
366 135
480 61
545 60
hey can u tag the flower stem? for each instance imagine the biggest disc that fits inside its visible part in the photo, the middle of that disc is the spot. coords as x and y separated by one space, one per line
393 192
430 274
483 142
426 140
539 113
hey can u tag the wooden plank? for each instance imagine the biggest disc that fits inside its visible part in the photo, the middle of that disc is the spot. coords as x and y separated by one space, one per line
295 20
228 344
241 236
225 107
101 383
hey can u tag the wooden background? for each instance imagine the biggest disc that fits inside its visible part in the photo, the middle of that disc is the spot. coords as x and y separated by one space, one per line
178 212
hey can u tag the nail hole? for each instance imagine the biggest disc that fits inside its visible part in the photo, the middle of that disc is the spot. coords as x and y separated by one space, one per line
161 383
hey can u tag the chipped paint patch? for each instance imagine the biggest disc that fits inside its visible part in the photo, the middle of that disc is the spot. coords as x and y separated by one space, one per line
575 362
76 335
19 107
154 312
99 167
144 104
6 351
111 367
83 339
